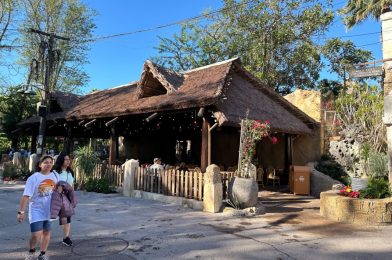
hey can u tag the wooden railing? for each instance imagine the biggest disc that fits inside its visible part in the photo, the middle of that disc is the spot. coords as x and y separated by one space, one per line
187 184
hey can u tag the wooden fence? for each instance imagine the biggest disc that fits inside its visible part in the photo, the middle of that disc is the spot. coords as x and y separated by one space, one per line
113 173
187 184
226 178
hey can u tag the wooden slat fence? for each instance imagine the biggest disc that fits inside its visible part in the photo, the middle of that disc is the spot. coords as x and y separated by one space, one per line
113 173
226 178
187 184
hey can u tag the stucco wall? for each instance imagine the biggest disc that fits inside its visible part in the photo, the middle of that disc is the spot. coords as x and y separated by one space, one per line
306 148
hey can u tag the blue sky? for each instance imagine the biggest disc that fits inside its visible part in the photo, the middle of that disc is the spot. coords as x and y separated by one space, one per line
117 61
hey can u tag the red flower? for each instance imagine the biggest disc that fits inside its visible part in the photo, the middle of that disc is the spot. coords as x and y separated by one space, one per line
274 140
266 122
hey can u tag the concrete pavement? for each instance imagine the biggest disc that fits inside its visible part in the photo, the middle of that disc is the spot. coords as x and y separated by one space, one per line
116 227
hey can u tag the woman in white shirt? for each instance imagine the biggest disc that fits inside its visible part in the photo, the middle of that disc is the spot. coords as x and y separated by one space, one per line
38 193
62 167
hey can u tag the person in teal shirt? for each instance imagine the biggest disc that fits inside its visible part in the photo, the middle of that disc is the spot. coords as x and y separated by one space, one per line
62 167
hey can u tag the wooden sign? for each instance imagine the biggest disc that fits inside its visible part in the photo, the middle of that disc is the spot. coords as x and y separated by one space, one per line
366 72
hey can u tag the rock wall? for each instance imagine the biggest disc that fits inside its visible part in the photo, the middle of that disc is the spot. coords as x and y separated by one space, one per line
357 211
319 182
346 153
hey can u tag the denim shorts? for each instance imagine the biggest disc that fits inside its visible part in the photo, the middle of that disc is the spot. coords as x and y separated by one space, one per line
40 225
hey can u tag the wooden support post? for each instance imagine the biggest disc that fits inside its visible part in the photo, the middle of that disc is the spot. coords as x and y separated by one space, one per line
288 154
68 141
33 142
113 147
204 145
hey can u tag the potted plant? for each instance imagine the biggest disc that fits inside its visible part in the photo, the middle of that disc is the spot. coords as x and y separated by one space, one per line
243 188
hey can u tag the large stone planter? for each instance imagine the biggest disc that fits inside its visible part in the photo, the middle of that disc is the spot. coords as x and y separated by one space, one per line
357 211
245 191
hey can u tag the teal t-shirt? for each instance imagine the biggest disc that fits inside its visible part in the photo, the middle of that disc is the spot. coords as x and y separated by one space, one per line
67 176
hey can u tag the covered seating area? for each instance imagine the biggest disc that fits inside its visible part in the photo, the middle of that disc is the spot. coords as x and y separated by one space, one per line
191 117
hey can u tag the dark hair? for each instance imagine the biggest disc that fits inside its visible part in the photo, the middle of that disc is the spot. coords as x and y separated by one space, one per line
59 163
43 158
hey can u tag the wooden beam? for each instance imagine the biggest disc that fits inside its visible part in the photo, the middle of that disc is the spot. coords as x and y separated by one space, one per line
113 145
112 121
90 123
151 117
204 145
200 113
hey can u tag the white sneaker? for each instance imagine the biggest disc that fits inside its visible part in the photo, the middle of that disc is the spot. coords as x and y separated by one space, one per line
43 257
30 256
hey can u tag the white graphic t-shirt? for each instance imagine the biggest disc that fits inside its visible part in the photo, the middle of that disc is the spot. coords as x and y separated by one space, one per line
39 188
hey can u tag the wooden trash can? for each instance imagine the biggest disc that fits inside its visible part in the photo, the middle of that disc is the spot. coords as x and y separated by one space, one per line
299 180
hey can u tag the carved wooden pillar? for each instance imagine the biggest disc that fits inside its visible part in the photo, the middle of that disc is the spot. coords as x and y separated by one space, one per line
204 145
113 146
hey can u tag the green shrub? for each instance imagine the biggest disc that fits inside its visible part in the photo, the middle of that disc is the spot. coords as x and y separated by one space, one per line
376 189
98 185
85 161
333 170
378 165
11 171
326 157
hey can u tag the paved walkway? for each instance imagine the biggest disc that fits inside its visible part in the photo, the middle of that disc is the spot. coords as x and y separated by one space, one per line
116 227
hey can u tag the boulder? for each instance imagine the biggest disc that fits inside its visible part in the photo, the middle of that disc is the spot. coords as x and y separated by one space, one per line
243 191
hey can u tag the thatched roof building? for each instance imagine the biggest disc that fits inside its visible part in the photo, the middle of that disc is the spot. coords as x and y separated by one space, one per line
225 91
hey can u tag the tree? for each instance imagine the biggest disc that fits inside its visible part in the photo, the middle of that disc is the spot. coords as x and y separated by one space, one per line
343 54
360 111
70 18
7 11
354 13
272 38
14 108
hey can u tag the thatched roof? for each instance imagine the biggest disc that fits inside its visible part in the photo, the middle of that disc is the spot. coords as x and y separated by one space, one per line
63 101
225 87
200 87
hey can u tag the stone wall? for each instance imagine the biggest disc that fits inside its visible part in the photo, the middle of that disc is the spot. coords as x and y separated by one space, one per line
357 211
319 182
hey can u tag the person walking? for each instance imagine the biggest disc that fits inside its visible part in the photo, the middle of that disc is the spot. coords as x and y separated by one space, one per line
37 193
62 167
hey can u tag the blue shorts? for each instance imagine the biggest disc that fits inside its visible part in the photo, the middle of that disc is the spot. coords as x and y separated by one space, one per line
40 225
